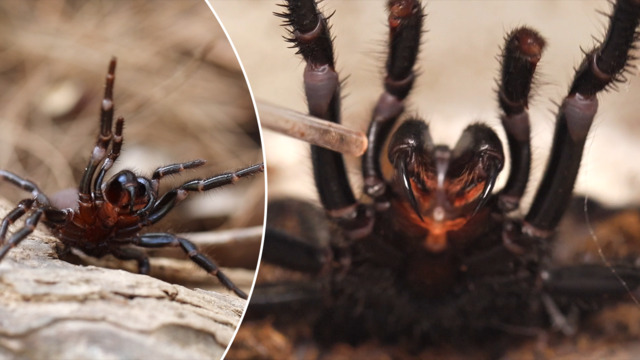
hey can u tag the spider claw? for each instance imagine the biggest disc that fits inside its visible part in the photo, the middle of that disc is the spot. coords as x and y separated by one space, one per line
493 172
132 197
402 168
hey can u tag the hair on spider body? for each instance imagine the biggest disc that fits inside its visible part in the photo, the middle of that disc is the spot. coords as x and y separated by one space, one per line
432 254
105 217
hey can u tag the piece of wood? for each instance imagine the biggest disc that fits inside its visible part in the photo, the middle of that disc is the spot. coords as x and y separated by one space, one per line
53 309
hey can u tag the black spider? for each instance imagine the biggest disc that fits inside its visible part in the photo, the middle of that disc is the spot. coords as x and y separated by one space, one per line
430 254
108 216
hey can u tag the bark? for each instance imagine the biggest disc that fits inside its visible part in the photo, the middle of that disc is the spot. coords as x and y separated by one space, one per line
52 309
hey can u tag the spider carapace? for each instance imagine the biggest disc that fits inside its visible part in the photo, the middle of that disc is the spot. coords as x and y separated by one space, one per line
106 217
431 254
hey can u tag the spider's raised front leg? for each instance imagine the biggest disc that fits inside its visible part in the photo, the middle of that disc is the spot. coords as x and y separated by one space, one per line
99 152
111 159
521 53
309 32
600 68
405 28
158 240
296 245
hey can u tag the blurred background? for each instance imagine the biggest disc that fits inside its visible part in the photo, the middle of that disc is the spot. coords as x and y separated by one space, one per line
179 87
456 86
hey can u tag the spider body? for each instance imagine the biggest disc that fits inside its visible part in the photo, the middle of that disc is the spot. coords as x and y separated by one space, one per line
106 217
430 254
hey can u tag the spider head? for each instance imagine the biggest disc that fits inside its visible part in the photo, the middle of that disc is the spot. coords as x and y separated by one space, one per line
127 192
439 188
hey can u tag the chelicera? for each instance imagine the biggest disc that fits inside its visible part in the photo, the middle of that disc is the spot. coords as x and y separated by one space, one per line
106 217
430 254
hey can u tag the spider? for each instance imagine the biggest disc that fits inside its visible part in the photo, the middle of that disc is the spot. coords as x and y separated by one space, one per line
430 254
107 216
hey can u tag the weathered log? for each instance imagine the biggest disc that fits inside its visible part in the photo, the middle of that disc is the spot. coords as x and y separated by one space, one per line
50 308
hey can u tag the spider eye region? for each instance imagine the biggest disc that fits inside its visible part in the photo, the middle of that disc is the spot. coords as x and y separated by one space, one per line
127 192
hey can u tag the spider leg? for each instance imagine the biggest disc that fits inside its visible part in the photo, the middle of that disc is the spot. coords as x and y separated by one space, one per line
104 139
153 184
580 281
601 68
173 197
53 216
522 51
21 234
158 174
13 215
25 185
156 240
295 299
298 237
111 159
405 28
163 171
132 254
309 32
291 252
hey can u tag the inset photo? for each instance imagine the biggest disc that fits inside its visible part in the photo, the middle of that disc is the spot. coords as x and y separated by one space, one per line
132 186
